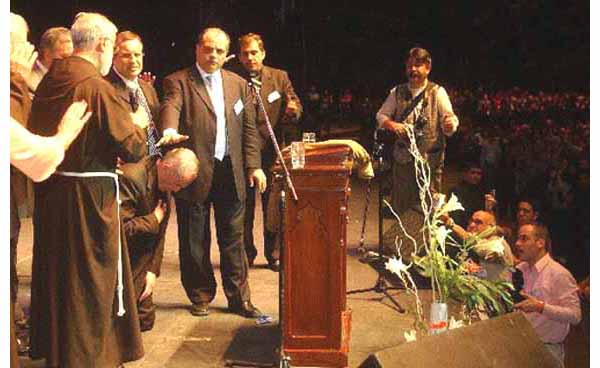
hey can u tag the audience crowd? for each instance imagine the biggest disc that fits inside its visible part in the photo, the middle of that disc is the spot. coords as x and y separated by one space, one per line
528 145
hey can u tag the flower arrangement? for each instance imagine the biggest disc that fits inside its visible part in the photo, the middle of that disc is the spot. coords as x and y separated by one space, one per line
451 278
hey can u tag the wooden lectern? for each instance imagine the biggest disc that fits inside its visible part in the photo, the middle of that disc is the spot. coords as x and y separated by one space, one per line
315 321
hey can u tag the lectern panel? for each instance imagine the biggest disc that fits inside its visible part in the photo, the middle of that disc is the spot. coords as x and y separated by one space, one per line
316 322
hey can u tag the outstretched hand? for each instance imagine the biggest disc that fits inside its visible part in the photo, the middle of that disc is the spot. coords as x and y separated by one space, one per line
171 138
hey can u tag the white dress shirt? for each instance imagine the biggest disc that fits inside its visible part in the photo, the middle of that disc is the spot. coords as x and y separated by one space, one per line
217 97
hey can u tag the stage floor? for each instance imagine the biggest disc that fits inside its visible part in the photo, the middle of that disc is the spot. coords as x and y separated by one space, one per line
181 340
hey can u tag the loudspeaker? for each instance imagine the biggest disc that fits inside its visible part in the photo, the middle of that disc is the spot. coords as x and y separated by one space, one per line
508 341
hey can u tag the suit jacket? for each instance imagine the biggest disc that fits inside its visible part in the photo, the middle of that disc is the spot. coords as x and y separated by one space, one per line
187 108
145 236
275 92
147 89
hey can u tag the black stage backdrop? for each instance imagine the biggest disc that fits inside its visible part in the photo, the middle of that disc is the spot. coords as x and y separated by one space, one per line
535 44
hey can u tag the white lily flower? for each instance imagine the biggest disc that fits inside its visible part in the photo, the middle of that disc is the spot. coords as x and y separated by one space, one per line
439 199
441 233
396 266
452 205
410 335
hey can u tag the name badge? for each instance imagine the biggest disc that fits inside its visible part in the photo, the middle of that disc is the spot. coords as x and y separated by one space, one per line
273 96
238 107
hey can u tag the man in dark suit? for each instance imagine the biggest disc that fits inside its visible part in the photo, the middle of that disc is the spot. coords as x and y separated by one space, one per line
212 111
282 106
145 188
139 95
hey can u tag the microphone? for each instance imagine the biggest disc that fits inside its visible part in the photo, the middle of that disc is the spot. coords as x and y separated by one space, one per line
255 81
518 281
232 56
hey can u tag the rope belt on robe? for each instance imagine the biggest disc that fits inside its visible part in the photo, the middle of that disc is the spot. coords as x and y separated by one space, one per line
100 174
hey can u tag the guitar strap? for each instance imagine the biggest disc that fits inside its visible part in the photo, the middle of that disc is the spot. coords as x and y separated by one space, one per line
414 102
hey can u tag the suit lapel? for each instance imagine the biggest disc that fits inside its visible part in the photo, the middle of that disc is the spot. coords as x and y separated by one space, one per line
200 88
267 85
119 85
228 93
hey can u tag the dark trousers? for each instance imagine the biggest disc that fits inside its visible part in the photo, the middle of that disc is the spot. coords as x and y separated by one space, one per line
270 245
146 308
405 191
146 312
271 248
193 222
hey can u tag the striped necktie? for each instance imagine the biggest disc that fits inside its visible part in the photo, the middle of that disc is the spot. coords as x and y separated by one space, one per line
153 136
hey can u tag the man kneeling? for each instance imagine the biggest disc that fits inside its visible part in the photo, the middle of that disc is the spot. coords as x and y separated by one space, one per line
145 194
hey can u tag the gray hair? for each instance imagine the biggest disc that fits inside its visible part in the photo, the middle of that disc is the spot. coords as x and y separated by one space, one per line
89 28
51 36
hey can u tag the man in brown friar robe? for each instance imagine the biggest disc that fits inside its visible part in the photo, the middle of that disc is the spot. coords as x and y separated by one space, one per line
145 188
80 316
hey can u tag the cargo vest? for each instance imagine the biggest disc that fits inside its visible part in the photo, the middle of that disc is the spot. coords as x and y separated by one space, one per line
432 140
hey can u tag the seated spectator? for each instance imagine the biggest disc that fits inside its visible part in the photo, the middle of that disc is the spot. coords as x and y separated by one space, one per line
551 301
470 193
493 252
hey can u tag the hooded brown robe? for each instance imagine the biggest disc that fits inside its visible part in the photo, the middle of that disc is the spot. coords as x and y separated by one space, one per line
74 320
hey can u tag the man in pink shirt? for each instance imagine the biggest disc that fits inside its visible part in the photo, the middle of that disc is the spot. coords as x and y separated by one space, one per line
551 303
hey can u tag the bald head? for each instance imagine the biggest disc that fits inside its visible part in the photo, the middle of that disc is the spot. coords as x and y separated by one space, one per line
177 169
18 29
481 221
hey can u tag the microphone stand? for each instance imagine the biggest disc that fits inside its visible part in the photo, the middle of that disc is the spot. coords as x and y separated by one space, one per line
381 285
255 86
284 360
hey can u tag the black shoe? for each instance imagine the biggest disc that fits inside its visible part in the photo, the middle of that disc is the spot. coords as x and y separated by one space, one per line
250 262
274 265
199 309
246 309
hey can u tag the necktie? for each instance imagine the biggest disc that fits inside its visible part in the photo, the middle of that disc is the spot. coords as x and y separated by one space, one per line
151 129
209 81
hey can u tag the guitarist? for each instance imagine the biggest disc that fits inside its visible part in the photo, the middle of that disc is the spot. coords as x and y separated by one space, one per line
427 106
